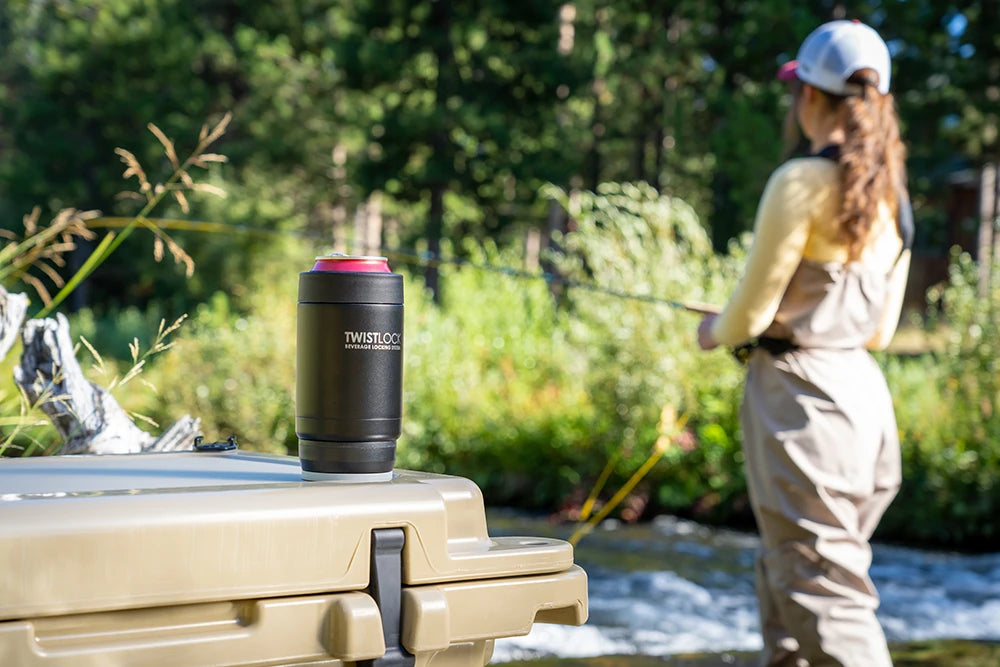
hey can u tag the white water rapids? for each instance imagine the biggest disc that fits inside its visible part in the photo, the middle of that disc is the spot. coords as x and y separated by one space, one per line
674 586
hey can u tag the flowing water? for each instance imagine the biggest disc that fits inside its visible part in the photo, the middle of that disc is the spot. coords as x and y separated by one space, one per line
673 586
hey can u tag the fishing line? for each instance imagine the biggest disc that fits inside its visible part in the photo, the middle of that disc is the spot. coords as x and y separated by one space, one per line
411 257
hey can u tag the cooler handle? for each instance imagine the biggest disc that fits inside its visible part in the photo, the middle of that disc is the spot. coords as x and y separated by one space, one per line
437 616
345 626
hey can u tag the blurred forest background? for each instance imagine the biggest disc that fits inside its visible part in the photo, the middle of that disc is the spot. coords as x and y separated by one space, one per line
542 173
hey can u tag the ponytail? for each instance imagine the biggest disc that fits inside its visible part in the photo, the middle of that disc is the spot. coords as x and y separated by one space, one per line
872 161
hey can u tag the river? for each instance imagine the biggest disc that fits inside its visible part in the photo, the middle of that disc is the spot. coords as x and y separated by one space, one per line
673 586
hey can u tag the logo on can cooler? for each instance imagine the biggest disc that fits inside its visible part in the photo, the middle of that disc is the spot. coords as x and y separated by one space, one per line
373 340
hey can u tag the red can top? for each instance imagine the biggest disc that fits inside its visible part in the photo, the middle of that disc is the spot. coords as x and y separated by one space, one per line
351 264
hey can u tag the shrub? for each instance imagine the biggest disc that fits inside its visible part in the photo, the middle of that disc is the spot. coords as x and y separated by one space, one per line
233 364
491 385
947 409
642 354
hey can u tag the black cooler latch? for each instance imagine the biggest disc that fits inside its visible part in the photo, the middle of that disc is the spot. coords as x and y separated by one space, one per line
386 588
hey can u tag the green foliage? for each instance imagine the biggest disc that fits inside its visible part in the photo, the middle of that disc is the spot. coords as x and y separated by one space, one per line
948 409
111 332
642 356
483 101
235 371
235 366
948 69
454 94
492 386
79 79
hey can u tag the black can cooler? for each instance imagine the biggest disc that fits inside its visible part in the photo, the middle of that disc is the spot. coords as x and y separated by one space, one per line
349 369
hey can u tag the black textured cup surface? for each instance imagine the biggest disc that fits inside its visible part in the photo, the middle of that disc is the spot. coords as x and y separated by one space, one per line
349 372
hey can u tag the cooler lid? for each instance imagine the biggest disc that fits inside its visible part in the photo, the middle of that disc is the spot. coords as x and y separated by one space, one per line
94 533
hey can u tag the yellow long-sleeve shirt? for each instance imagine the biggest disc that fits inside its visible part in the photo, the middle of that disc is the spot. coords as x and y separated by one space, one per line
796 219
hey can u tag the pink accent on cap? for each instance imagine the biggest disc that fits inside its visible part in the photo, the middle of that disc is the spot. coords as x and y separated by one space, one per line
346 264
789 71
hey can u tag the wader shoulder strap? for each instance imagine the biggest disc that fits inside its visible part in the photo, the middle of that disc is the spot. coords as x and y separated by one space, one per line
904 220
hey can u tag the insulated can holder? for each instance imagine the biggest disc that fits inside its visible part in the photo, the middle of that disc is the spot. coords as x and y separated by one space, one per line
349 368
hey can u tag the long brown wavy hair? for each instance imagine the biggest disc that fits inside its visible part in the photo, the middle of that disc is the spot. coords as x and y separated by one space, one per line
872 158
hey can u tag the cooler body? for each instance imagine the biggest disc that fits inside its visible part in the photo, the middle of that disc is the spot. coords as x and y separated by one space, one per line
229 558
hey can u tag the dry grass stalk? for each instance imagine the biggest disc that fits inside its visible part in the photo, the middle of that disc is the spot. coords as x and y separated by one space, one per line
179 182
42 249
139 358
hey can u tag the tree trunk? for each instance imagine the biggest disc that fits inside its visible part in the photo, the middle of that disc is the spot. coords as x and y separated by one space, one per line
596 132
368 226
658 138
641 138
532 250
989 213
435 227
555 224
442 161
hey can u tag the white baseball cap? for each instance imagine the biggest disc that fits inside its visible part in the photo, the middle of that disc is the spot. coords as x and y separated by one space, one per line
836 50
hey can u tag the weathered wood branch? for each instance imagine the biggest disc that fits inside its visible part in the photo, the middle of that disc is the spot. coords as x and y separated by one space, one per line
180 435
13 308
87 416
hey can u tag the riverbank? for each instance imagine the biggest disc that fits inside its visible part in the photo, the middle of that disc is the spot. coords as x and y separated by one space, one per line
945 653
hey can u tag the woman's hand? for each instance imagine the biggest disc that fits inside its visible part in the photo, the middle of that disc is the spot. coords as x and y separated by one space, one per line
705 339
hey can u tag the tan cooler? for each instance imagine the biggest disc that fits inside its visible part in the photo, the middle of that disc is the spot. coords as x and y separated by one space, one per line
229 558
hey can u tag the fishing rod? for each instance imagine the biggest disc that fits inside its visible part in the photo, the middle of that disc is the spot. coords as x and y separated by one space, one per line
412 257
696 307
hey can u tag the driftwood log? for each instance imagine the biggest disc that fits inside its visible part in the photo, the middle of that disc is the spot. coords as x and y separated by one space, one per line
13 308
87 416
